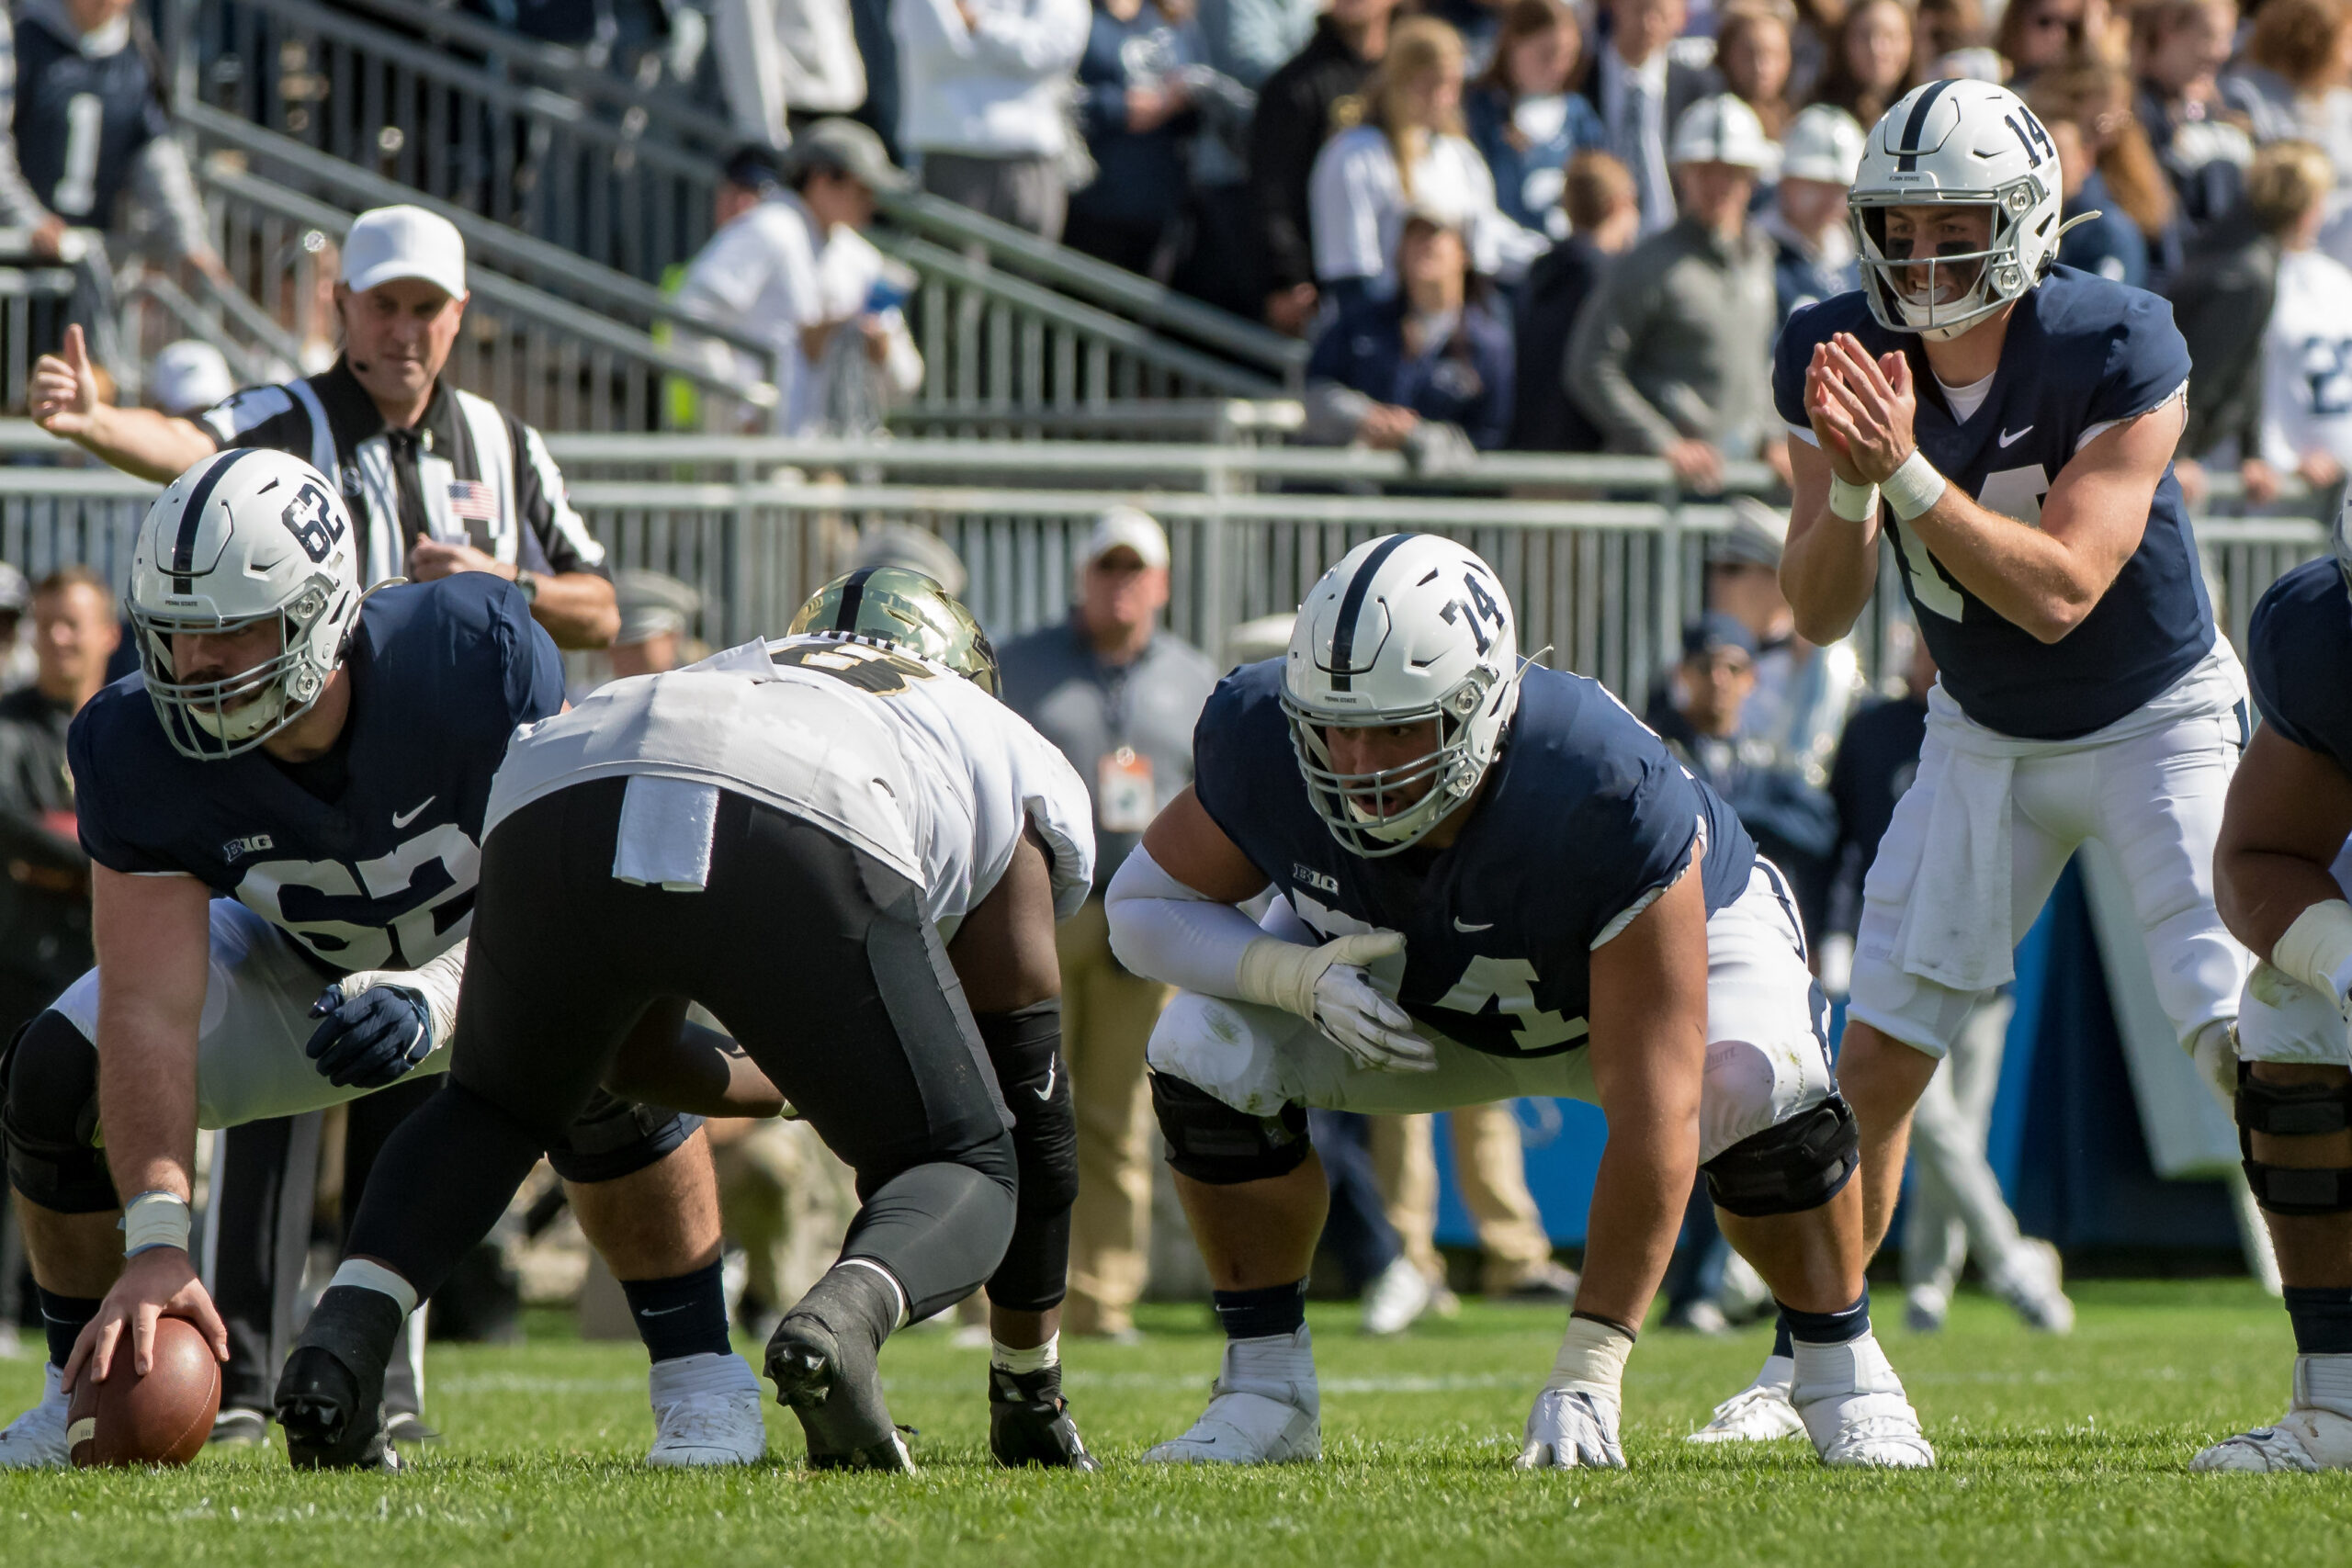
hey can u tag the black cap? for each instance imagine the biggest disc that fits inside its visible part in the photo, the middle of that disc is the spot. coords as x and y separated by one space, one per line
754 167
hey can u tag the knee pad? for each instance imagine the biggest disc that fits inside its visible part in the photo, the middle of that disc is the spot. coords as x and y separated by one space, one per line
49 1117
2293 1110
1799 1165
615 1137
1025 1047
1211 1142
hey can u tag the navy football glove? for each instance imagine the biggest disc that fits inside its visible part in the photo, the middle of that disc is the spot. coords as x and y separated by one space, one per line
370 1040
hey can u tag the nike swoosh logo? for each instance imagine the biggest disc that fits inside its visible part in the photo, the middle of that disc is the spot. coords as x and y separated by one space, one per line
403 818
1462 925
2008 436
1052 1069
665 1312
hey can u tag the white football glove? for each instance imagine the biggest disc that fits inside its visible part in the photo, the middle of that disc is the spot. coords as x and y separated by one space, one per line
1569 1429
1574 1424
1328 987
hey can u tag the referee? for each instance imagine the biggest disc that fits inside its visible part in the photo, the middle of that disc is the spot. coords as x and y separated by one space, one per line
438 481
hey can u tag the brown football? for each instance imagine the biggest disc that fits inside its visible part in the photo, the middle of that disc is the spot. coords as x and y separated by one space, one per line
162 1418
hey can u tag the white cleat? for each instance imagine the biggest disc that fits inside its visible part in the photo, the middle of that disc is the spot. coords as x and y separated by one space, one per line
706 1413
1394 1301
2304 1443
1854 1408
1759 1413
36 1440
2033 1286
1263 1410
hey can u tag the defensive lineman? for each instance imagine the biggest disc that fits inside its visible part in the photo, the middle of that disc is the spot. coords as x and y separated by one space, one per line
302 771
2018 420
2283 866
1494 883
894 827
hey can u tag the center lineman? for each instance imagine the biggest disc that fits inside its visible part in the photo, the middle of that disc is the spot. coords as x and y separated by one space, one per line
814 839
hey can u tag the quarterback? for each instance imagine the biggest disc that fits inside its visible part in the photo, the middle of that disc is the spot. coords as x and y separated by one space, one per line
287 800
1491 881
2008 426
854 859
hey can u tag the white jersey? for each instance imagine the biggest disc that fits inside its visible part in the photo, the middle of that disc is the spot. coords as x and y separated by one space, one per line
902 757
2307 362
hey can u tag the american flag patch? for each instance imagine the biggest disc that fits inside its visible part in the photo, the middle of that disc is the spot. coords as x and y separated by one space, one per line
473 500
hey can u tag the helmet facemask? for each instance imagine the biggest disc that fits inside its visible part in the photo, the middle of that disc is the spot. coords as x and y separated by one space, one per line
213 720
1374 814
1906 294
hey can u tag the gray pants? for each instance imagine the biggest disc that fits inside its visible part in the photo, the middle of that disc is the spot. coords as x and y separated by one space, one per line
1027 193
1955 1199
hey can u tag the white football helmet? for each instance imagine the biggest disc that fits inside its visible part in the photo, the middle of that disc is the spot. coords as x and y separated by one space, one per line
1406 628
246 535
1956 143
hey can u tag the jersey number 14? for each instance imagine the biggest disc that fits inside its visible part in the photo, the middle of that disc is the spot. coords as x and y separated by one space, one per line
2012 492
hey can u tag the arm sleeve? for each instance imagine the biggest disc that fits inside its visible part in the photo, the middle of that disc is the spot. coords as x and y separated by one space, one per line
1043 43
1606 332
562 537
1165 929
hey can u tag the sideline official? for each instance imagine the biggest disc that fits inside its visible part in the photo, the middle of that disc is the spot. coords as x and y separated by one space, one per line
438 481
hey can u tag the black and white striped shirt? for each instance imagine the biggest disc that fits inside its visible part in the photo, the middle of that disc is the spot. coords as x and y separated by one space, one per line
466 471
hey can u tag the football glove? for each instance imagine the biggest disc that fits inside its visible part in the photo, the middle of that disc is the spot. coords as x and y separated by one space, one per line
371 1039
1571 1430
1328 986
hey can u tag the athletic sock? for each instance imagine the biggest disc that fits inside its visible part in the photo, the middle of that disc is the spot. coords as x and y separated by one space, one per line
1255 1314
65 1317
1780 1350
1032 1358
2322 1315
1825 1328
682 1315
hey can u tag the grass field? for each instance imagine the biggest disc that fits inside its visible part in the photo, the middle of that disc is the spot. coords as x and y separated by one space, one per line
2052 1452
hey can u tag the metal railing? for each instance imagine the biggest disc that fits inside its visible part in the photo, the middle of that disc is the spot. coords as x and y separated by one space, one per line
1605 582
552 363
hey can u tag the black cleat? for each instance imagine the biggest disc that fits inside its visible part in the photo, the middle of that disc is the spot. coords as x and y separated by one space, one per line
1029 1421
330 1397
822 1359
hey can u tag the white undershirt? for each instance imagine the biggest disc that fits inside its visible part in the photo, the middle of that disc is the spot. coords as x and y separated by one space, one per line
1965 402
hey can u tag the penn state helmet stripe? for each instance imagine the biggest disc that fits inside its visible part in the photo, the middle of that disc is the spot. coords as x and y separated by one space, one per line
852 599
1344 636
192 516
1917 124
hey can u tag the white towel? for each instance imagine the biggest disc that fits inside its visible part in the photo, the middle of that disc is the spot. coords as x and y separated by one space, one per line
665 832
1955 925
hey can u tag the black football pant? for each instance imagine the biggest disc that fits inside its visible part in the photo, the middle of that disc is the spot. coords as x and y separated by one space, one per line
818 959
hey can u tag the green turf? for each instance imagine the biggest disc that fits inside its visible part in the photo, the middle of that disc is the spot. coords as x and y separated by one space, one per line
2052 1452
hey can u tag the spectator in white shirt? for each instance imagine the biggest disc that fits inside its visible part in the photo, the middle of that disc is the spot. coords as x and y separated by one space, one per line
985 89
1409 151
776 56
2307 347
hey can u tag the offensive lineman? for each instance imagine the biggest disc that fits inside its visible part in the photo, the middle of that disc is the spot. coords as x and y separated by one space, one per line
2018 419
302 768
2282 868
1494 882
836 846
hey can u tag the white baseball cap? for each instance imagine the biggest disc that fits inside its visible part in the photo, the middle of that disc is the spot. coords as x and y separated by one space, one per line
404 242
188 376
1723 129
1124 528
1822 144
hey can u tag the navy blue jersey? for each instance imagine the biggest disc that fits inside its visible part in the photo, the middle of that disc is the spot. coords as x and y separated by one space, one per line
2081 352
1584 811
375 869
2299 645
81 119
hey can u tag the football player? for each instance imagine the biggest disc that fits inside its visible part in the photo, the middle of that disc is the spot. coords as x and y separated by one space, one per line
855 860
2007 424
1492 882
288 795
2283 867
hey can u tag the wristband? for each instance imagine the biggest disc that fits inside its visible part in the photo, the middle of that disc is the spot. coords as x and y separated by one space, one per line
154 1219
1913 487
1855 503
1592 1359
2317 946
